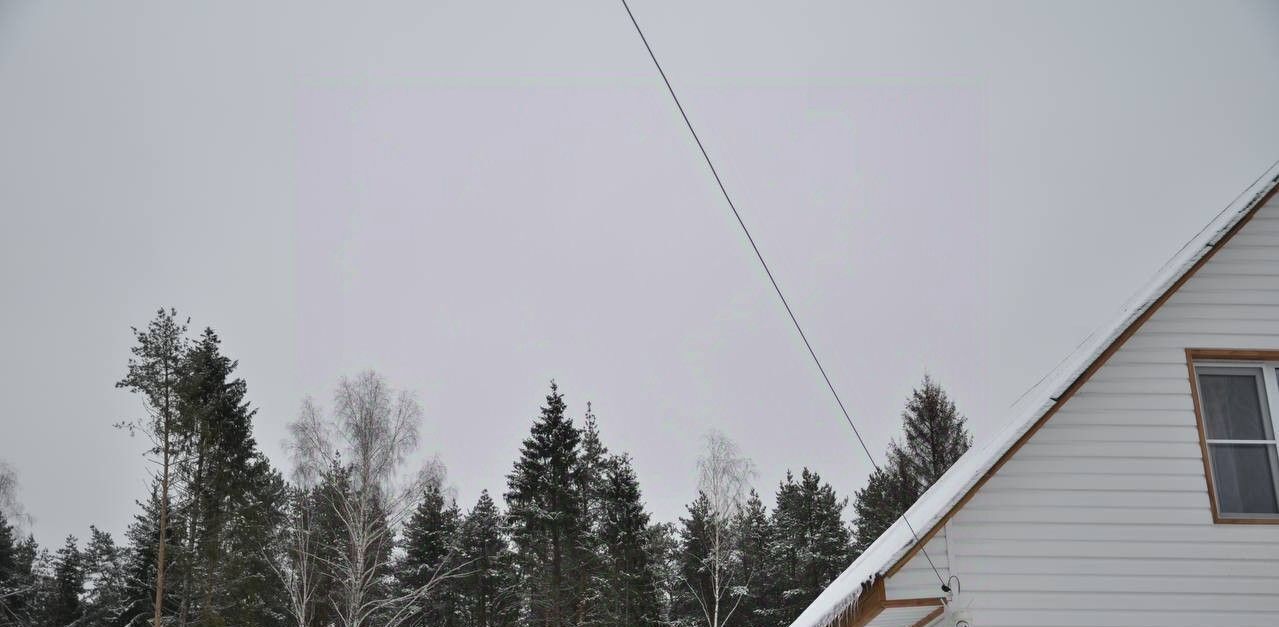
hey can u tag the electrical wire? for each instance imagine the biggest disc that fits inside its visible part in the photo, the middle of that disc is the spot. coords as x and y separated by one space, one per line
777 288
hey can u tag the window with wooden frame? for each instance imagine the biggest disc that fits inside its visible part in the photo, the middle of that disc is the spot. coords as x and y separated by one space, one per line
1236 396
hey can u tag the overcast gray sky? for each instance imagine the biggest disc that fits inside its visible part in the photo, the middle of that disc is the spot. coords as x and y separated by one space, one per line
476 197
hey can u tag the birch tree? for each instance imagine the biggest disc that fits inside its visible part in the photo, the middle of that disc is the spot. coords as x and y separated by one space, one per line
10 507
17 586
293 559
724 478
360 449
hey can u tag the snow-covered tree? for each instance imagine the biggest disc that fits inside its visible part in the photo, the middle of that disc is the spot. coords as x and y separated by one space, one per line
547 513
630 594
361 450
430 546
936 437
936 433
229 498
810 544
62 605
486 586
104 575
890 490
754 535
588 550
140 563
17 582
154 373
11 509
724 478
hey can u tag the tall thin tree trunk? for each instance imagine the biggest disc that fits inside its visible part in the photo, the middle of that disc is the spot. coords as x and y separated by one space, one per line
193 526
715 577
164 525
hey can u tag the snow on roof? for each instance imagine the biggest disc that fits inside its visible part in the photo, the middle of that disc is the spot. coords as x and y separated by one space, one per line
934 504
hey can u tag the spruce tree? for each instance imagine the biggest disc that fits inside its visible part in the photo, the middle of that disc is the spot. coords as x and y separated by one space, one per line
329 542
62 606
936 437
104 578
889 492
15 576
22 607
936 433
8 558
546 512
249 592
430 553
224 476
43 599
754 534
629 594
485 586
588 549
663 546
694 589
811 543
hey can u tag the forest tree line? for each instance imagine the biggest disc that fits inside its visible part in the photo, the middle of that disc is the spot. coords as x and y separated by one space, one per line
353 537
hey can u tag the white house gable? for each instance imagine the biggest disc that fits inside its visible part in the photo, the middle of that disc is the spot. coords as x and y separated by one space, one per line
1103 516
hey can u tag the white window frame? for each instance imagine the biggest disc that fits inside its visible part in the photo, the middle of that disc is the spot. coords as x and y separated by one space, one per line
1270 379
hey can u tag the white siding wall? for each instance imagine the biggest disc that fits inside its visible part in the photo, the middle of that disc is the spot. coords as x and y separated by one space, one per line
1103 518
916 580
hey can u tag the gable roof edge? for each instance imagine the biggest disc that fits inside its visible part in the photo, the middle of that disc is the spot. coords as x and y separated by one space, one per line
897 545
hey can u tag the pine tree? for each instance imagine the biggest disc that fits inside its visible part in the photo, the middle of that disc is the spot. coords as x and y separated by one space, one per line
430 553
936 433
546 515
154 372
629 594
486 582
811 544
62 606
138 604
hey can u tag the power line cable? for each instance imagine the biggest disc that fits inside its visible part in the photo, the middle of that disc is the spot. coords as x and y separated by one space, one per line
777 288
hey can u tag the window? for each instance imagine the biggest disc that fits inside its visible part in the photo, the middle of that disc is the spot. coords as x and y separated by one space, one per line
1237 406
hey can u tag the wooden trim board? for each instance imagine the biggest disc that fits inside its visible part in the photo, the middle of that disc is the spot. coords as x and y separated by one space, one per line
874 601
932 616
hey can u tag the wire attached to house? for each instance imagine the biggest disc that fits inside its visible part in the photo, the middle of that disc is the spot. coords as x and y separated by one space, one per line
777 288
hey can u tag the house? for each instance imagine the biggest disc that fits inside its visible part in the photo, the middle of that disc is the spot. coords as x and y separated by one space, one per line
1137 486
